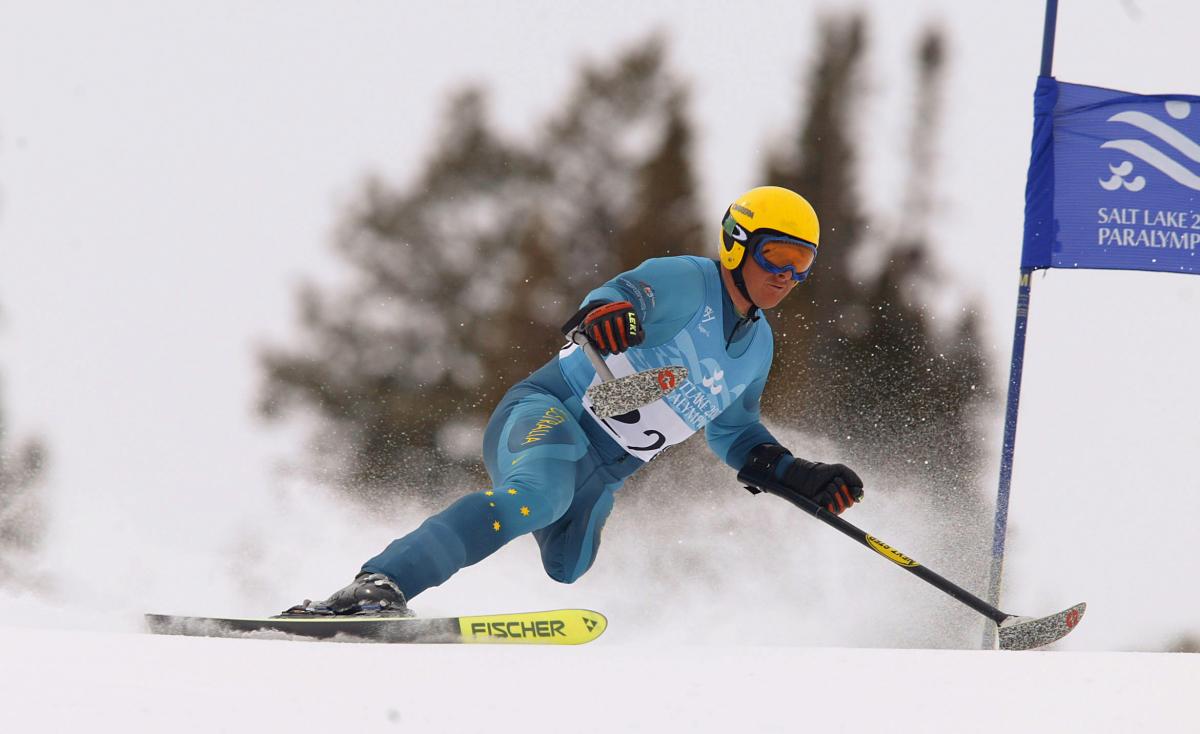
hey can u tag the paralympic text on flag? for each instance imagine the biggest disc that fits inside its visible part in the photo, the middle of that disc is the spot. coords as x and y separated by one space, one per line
1114 180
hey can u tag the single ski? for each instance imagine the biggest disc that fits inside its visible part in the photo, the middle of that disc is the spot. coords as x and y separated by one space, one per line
555 627
1027 633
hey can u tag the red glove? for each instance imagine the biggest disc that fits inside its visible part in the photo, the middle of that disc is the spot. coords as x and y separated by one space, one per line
613 327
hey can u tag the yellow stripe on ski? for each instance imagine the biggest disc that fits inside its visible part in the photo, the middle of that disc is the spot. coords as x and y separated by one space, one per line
558 627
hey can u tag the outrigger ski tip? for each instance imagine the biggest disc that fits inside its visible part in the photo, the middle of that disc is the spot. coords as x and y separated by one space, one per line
1027 633
626 394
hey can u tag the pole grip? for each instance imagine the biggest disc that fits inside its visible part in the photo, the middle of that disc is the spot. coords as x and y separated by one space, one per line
578 337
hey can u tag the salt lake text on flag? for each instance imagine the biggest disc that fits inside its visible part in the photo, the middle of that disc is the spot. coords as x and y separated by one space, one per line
1114 180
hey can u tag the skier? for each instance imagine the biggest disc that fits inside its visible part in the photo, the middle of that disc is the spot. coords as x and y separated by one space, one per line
555 465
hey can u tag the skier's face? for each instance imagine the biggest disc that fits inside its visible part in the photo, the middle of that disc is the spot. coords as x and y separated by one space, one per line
767 289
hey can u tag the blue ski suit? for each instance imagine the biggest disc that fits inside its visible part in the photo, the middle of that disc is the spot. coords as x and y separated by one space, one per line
555 466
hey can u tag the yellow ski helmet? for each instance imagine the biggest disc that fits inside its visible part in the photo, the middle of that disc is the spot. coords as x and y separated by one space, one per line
762 213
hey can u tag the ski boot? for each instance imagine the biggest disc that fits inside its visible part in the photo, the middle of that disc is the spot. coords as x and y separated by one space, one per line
370 595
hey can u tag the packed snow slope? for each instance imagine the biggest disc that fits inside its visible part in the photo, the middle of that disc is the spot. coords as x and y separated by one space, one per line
731 613
739 615
64 680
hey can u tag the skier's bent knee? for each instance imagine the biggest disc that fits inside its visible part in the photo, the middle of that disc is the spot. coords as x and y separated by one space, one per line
563 577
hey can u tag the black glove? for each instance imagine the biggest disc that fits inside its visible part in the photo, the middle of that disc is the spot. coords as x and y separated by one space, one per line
612 327
833 486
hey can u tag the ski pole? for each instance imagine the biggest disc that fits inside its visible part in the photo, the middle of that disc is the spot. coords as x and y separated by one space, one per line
1015 632
576 336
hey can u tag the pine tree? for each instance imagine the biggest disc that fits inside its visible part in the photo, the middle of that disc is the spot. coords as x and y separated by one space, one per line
623 183
462 280
861 350
665 219
22 520
422 338
821 163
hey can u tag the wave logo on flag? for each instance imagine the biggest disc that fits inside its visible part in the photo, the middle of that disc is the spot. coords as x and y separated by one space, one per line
1163 132
1114 180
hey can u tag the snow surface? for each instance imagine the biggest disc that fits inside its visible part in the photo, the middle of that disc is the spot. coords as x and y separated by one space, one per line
55 680
763 621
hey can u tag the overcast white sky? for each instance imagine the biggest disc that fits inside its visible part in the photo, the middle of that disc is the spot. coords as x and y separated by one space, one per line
170 171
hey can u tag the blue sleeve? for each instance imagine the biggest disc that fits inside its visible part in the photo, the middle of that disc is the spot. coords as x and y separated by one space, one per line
738 429
665 293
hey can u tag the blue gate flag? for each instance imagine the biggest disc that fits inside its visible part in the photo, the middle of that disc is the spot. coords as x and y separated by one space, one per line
1114 180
